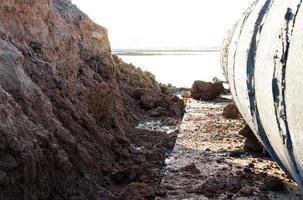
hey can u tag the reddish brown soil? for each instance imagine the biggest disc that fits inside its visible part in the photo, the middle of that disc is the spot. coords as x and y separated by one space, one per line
68 107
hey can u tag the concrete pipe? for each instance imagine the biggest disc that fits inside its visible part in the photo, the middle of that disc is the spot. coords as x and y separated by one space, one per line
262 59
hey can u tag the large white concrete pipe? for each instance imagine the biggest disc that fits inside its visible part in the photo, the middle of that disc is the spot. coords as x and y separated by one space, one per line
262 59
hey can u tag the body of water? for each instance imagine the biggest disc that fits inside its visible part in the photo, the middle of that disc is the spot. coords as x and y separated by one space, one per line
180 68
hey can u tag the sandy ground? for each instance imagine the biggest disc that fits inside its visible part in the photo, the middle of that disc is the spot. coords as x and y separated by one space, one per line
208 161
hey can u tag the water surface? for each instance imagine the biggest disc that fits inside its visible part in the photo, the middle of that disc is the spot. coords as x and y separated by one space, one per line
180 68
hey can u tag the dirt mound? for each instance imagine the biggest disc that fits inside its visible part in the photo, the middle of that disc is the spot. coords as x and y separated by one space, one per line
231 112
202 90
66 103
251 143
159 104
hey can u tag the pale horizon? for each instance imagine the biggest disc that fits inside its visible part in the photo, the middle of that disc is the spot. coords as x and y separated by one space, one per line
179 24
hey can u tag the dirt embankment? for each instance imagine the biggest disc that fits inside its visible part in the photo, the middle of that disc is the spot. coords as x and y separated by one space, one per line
68 108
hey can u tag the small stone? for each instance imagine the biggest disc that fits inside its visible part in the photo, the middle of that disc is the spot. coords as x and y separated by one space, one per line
247 191
191 168
96 35
251 165
247 170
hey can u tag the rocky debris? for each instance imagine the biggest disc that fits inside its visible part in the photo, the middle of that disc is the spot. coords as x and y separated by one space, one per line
251 143
138 191
231 112
68 107
202 90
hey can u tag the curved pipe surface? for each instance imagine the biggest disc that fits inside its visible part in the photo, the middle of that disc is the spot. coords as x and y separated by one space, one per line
262 59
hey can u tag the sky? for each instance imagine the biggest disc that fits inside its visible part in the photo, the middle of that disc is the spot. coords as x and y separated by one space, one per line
137 24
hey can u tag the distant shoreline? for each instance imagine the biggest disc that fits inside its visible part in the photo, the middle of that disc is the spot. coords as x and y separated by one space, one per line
162 52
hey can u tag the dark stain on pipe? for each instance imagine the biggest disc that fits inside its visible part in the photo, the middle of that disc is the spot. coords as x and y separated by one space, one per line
250 70
247 14
279 88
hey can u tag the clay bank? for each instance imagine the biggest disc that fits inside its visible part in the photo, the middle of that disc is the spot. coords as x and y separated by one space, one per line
69 109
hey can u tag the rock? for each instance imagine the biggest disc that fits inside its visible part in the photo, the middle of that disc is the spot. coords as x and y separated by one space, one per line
247 132
137 191
247 170
231 112
191 168
206 90
97 35
251 165
251 143
247 191
273 184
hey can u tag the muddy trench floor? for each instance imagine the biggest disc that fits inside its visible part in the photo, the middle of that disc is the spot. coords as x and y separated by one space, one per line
208 161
